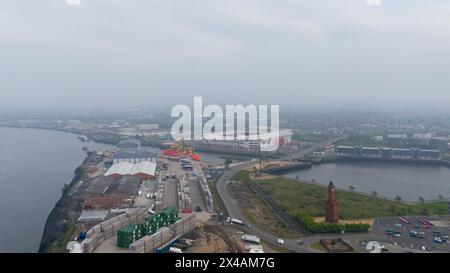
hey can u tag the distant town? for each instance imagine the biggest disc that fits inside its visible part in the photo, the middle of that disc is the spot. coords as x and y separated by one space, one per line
148 193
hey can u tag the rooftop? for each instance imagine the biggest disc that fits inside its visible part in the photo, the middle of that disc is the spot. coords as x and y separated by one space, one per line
126 168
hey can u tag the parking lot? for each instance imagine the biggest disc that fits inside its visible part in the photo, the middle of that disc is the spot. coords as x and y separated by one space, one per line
414 234
146 188
170 184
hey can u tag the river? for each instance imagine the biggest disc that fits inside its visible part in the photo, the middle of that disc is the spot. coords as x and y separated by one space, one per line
407 180
34 166
219 159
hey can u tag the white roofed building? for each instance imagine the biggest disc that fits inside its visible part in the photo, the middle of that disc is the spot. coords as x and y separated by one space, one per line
145 170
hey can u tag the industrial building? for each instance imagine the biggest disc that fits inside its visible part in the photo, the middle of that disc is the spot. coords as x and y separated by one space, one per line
134 156
107 202
145 170
388 153
129 144
239 142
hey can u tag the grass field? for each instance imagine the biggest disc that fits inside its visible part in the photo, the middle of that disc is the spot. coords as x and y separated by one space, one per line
297 196
217 199
60 245
256 210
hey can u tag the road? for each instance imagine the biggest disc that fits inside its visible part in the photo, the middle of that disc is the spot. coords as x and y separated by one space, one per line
234 212
323 144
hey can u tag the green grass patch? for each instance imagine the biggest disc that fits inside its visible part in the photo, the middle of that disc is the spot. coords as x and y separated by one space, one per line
217 199
318 246
60 245
302 197
242 176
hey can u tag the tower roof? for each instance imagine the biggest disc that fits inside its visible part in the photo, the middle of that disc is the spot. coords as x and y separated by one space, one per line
331 185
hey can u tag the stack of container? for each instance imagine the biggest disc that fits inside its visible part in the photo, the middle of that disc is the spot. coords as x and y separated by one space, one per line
184 225
159 195
101 232
206 192
164 235
132 233
184 199
129 235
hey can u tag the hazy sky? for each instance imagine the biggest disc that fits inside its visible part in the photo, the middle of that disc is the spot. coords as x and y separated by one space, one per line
312 53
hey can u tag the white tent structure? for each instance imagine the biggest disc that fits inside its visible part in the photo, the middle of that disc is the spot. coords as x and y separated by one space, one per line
144 169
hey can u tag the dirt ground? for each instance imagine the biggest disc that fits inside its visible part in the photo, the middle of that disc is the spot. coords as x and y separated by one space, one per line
213 239
257 211
223 239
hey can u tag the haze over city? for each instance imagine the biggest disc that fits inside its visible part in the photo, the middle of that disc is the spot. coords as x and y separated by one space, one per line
105 54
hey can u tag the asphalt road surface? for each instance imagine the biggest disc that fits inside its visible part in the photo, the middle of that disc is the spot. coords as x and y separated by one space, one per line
234 212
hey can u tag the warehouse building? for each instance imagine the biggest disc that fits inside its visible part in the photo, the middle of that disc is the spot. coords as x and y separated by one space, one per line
107 202
145 170
387 153
129 144
134 156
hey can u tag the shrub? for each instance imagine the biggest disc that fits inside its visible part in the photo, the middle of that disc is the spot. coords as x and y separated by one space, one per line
308 223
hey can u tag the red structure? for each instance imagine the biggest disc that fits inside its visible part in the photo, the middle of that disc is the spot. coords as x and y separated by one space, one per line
331 205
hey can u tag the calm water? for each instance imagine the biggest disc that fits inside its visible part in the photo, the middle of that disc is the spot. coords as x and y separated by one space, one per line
409 181
219 159
34 166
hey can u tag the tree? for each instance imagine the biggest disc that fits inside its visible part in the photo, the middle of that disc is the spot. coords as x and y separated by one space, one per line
374 193
421 199
227 163
441 197
351 188
398 198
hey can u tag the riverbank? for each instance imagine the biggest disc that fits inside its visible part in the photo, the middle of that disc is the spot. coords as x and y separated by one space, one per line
62 223
300 196
112 139
36 164
404 180
60 227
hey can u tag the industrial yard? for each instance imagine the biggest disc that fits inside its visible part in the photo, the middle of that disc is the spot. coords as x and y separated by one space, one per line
122 205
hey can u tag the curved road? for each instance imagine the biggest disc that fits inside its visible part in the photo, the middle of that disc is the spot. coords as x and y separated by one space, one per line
234 212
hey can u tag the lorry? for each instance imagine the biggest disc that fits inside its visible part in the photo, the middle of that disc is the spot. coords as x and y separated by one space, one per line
236 221
251 239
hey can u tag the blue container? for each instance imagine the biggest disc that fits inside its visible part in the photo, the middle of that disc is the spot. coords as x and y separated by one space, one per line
82 235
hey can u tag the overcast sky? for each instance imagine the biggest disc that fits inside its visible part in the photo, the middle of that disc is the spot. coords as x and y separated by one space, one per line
316 53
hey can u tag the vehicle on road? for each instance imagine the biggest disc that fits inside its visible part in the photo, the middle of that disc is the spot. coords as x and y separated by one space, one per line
280 241
251 239
398 225
236 221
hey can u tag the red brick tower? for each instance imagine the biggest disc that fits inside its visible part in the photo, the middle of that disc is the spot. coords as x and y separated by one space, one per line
331 205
